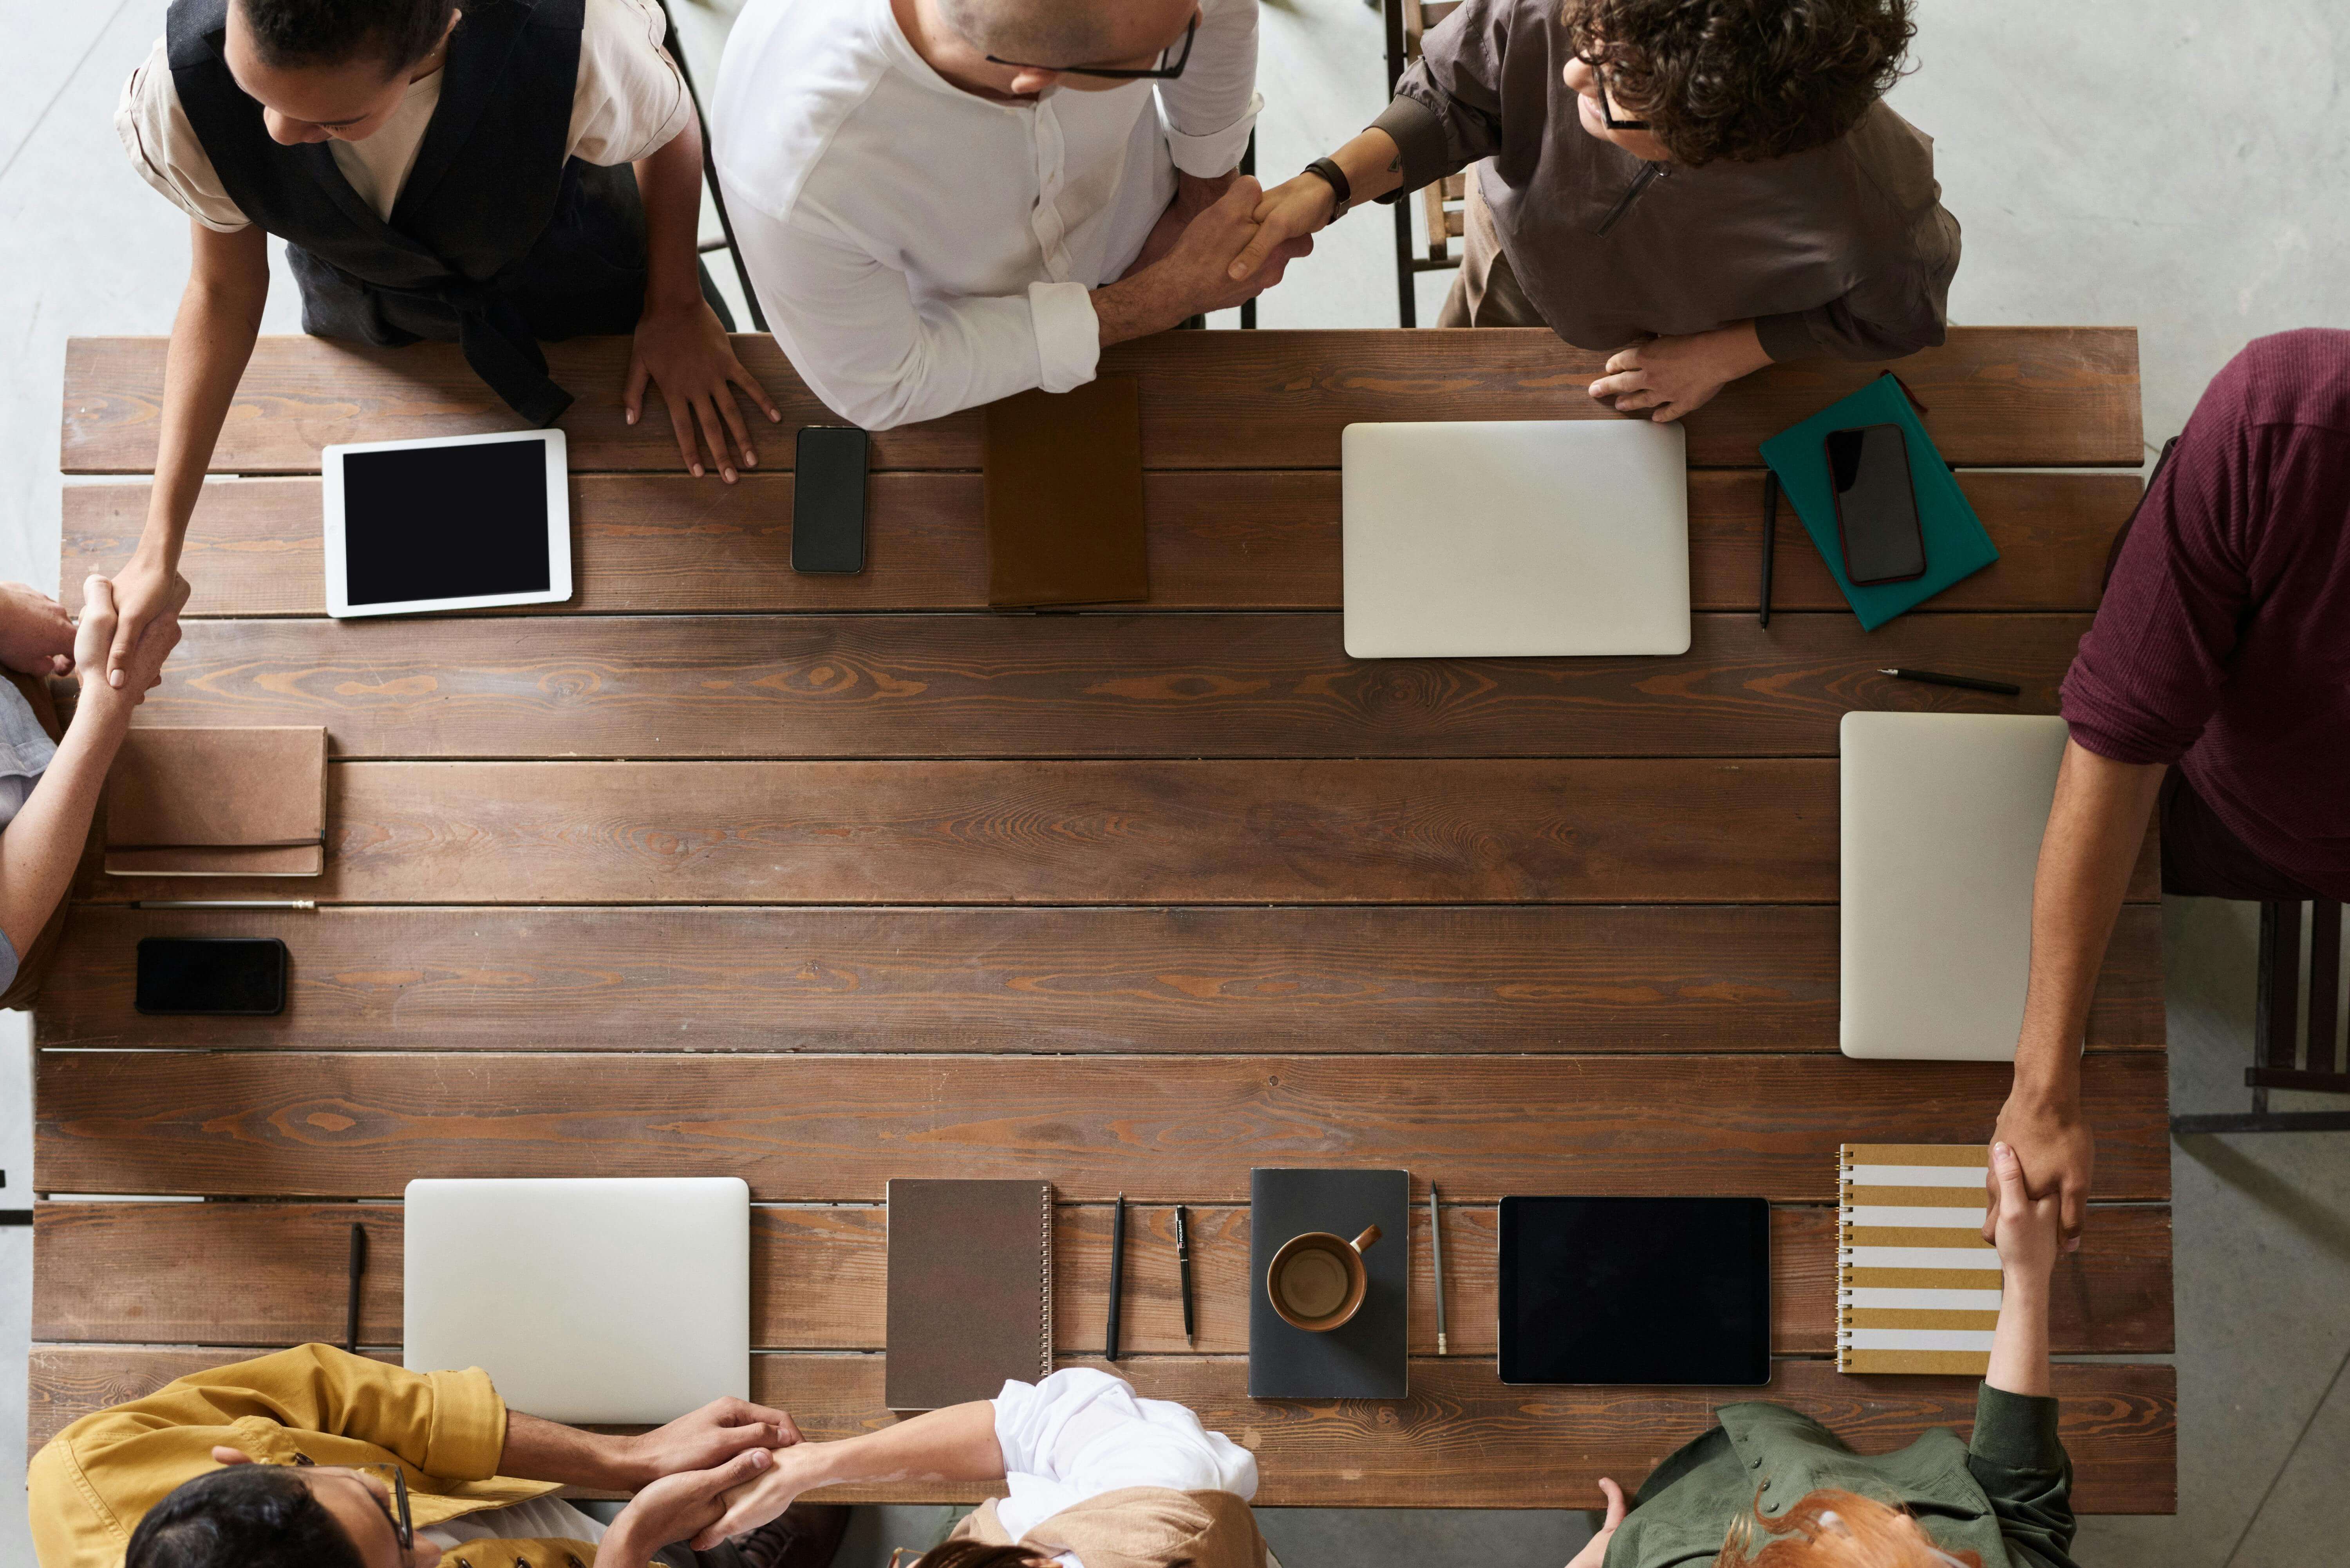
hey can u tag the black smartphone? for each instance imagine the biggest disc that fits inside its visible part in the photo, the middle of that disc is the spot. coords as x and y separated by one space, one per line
829 500
211 975
1875 505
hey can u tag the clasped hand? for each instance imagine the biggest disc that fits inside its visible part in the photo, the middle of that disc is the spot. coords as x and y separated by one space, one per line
1198 243
688 1467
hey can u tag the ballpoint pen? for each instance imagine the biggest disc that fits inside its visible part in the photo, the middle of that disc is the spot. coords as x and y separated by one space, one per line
1965 682
1117 1275
351 1303
1183 1262
1770 538
1436 1247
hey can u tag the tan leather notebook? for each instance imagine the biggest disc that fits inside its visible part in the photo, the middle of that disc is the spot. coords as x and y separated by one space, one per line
218 803
971 1290
1064 496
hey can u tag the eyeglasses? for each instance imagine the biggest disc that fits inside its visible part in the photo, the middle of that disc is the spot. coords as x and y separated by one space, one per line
1607 108
1161 73
905 1554
395 1512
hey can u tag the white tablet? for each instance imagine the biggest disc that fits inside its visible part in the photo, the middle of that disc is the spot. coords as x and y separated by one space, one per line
462 523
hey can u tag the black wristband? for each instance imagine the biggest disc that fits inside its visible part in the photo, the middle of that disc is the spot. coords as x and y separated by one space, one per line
1336 178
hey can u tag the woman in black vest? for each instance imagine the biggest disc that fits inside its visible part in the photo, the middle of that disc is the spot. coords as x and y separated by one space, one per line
513 172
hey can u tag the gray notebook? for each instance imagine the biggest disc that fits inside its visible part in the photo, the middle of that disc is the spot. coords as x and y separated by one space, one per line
1368 1358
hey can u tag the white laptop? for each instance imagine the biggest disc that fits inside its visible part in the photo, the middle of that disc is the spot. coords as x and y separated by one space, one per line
614 1301
1943 814
1529 537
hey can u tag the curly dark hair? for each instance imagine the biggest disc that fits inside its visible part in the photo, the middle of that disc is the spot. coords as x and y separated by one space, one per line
242 1516
397 33
1743 80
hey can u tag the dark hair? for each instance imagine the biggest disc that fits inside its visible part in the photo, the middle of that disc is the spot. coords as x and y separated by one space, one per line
399 33
242 1516
1743 80
980 1554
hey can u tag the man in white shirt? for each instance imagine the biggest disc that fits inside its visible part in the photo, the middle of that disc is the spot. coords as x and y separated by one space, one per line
1090 1468
942 202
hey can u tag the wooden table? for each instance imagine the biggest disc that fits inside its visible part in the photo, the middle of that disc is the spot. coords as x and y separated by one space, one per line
819 880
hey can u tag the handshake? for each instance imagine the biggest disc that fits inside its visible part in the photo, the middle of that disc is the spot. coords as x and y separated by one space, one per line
724 1470
1220 243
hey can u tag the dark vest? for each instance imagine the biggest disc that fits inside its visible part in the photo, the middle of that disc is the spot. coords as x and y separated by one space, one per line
498 239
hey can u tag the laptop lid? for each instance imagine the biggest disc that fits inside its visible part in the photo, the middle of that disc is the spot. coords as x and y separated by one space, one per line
617 1299
1500 538
1942 817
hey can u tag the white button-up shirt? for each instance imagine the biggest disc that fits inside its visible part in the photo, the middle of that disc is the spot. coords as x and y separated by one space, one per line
1081 1433
919 249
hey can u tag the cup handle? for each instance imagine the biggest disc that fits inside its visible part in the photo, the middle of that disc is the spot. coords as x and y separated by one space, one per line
1362 1243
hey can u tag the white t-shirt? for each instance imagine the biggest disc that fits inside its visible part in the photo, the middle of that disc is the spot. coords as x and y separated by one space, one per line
921 249
1081 1433
629 103
540 1519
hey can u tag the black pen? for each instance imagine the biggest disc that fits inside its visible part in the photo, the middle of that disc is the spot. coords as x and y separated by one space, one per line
351 1306
1770 537
1117 1274
1183 1262
1965 682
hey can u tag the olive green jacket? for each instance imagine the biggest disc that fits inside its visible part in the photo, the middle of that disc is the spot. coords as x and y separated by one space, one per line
2005 1496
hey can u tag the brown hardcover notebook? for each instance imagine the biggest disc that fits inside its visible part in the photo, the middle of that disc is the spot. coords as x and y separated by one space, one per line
1064 496
218 803
971 1290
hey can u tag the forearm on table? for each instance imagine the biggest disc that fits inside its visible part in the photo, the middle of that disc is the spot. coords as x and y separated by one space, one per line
544 1450
670 182
955 1444
44 843
212 340
2096 825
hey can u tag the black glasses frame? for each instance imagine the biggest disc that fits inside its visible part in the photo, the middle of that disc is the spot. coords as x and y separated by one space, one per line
1159 73
404 1528
1607 100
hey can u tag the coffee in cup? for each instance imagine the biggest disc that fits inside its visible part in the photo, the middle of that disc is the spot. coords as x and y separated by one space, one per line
1317 1282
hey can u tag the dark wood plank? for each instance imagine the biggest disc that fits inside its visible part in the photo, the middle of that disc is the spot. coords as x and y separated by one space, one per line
1099 686
1462 1440
831 1129
1553 978
1452 832
271 1274
2001 397
1262 540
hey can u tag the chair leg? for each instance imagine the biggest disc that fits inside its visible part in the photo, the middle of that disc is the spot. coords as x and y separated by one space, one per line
2276 1060
676 47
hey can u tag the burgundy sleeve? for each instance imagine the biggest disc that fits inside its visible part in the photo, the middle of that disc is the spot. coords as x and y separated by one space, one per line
2150 669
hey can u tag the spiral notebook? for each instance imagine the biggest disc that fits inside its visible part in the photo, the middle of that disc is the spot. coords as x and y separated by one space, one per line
1918 1288
970 1301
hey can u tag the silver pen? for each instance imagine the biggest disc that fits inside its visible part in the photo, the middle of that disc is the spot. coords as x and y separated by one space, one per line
1436 1247
225 904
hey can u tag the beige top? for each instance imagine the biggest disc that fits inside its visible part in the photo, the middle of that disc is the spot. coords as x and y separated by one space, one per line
630 102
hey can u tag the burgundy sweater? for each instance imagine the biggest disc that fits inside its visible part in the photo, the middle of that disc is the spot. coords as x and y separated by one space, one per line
2223 642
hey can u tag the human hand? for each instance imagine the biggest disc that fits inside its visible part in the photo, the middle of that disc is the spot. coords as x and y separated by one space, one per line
686 353
101 632
37 636
2055 1151
1676 376
701 1438
1595 1551
1290 210
752 1505
2024 1227
675 1507
1194 195
144 591
1203 260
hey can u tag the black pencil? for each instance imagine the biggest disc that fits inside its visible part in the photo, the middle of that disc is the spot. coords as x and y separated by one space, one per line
1183 1262
351 1305
1770 537
1965 682
1117 1275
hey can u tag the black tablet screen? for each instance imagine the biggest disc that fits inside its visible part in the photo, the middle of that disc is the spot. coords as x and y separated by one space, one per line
1635 1290
445 523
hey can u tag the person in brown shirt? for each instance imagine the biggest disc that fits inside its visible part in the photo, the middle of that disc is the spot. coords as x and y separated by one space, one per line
1702 187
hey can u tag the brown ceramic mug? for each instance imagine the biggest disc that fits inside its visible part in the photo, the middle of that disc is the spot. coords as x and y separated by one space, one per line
1317 1282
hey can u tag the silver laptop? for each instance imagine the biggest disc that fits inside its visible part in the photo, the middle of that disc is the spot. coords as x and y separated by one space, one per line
1534 537
1943 814
585 1301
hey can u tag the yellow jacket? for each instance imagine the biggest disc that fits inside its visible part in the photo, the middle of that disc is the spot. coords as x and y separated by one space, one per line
91 1483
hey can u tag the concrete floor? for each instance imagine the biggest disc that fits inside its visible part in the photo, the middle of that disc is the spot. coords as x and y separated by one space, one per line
2113 160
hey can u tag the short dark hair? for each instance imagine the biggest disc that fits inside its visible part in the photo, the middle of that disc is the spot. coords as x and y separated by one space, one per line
242 1516
399 33
1743 80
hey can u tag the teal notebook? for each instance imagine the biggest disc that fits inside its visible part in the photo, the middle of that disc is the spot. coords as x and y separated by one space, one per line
1956 544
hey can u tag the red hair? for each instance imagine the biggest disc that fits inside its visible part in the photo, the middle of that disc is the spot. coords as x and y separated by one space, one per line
1831 1528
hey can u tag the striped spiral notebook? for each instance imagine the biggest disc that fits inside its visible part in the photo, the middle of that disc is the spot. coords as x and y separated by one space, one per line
1918 1290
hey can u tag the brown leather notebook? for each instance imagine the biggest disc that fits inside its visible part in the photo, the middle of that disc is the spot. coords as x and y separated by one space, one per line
218 803
1064 496
971 1290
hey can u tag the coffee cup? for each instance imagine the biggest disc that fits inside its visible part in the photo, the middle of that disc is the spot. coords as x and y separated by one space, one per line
1317 1282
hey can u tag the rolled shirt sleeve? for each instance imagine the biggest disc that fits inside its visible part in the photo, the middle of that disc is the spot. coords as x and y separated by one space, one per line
1081 1432
1209 113
1447 111
2017 1459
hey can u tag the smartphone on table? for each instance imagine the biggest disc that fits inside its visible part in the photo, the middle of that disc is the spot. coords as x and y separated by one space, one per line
829 500
1875 505
243 975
